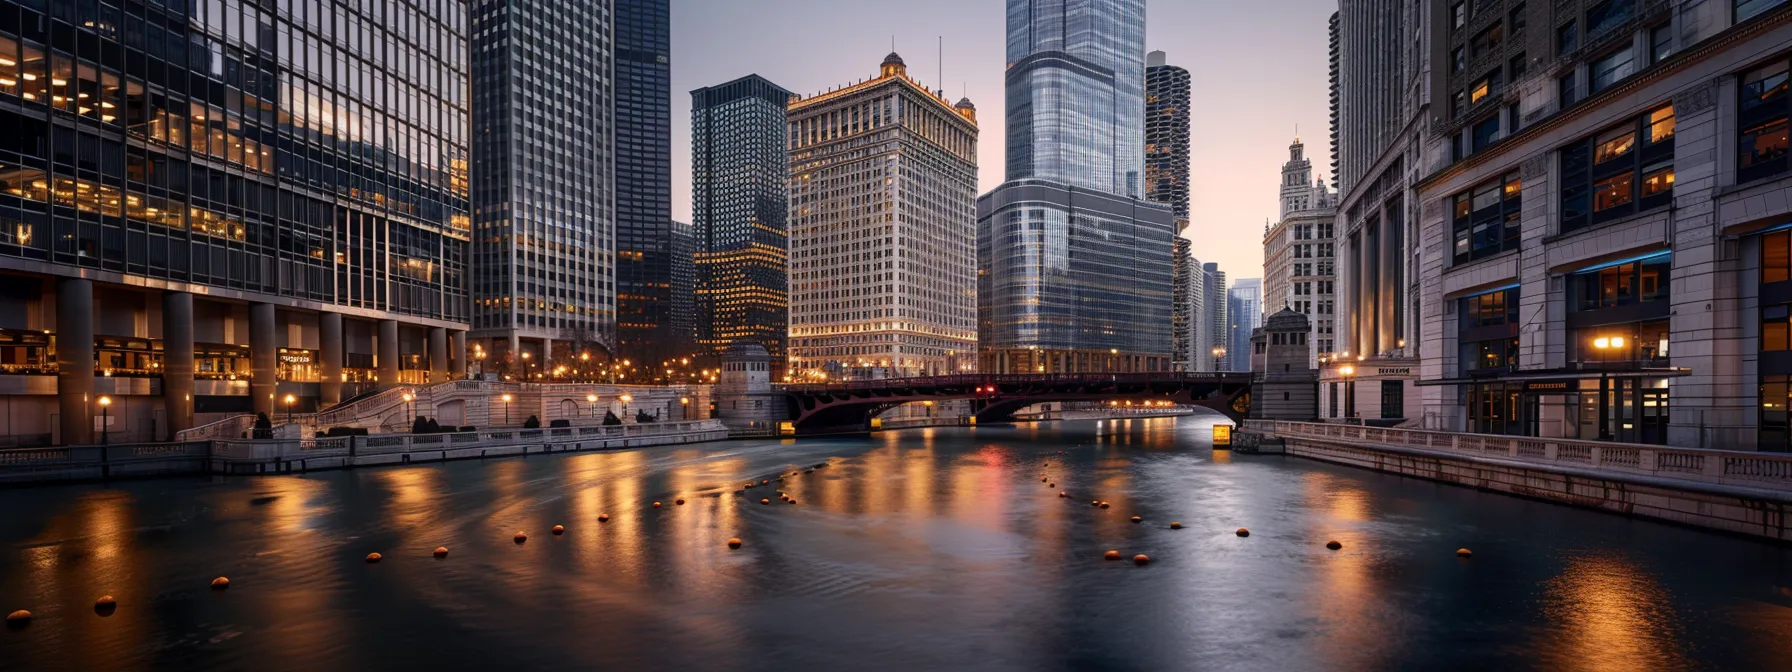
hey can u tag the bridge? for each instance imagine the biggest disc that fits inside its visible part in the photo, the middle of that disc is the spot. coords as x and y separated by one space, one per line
849 405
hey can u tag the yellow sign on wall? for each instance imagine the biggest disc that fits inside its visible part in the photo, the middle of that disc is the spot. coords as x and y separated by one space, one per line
1222 435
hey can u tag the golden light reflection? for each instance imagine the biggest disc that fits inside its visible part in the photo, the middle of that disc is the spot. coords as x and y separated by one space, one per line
1606 615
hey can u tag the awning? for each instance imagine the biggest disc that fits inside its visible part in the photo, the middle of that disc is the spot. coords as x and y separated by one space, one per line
1545 380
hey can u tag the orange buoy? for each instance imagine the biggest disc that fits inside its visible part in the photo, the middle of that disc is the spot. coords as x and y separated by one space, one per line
105 605
1095 503
1062 495
792 500
765 481
520 537
220 583
1464 553
1104 505
1111 555
749 486
373 558
1136 520
1041 479
18 618
1175 525
656 505
1244 532
1334 544
1141 559
679 502
764 500
559 529
441 551
734 543
603 517
1053 485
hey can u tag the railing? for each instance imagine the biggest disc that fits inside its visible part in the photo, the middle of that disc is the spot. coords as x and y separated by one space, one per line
228 428
978 379
1725 467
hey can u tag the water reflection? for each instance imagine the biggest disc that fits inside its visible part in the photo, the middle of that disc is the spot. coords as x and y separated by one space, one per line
922 549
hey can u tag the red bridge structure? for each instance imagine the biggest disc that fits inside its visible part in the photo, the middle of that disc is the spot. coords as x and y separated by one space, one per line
849 406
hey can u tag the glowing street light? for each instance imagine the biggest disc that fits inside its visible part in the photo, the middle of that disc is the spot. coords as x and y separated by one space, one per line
506 399
592 399
289 402
105 418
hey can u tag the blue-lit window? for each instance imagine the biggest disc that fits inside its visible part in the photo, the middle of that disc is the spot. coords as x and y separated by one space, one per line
1761 143
1619 172
1485 219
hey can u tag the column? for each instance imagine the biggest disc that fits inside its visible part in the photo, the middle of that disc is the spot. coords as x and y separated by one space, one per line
387 354
329 354
74 359
261 357
438 354
457 354
177 360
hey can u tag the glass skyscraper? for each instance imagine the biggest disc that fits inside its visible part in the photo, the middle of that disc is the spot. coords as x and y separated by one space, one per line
644 182
206 207
1074 269
739 166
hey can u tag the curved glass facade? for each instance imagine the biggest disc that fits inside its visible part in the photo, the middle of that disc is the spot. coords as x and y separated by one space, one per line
1075 93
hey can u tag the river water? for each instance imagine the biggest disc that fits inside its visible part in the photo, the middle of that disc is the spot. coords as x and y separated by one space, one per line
921 549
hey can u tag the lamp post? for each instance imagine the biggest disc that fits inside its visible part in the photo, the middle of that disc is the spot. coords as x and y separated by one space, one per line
592 399
105 419
525 367
479 356
625 399
289 401
1349 373
585 363
506 399
1219 352
1604 345
407 405
684 408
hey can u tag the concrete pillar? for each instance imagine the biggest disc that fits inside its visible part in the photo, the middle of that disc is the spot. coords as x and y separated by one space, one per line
516 355
438 354
457 354
74 359
329 354
387 354
177 360
261 357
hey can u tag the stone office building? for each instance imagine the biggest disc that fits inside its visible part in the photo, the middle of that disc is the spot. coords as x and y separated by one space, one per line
207 207
1605 235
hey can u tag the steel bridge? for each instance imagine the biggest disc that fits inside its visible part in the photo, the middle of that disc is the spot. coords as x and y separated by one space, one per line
850 405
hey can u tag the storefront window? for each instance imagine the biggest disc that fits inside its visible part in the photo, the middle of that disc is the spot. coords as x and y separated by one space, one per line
26 353
127 357
217 361
296 365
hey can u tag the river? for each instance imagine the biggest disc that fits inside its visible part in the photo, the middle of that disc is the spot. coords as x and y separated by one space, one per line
920 549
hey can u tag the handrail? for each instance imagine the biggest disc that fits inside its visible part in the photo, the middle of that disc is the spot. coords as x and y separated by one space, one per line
1723 467
228 428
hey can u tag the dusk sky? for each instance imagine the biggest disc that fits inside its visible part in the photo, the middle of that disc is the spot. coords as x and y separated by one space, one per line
1258 70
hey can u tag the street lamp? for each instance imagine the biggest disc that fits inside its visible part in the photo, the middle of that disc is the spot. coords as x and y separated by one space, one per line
1604 345
506 399
479 355
289 401
1349 373
1219 352
525 367
592 400
407 405
105 418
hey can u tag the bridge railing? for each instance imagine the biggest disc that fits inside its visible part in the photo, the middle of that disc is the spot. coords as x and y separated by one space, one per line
979 379
1721 467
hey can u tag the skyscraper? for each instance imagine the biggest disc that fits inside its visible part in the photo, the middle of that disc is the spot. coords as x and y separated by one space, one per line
1166 136
1214 323
739 167
544 214
1074 269
235 227
644 182
684 283
883 181
1299 270
1244 310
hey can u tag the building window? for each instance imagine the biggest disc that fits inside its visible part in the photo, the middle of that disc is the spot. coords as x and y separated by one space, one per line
1661 43
1565 90
1458 16
1567 38
1487 331
1486 132
1776 257
1458 60
1608 70
1622 171
1608 15
1762 112
1516 17
1746 9
1517 67
1393 399
1622 284
1485 219
1774 437
1487 40
1333 397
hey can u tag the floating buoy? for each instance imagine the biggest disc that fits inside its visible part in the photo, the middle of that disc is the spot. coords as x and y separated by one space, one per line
656 505
679 502
1136 520
808 471
764 500
1062 495
792 500
603 517
1244 532
559 529
1104 505
1333 544
749 486
441 551
1053 485
1464 553
373 558
1095 503
105 605
520 537
220 583
1111 555
18 618
1045 464
783 498
1175 526
1141 559
734 543
1041 479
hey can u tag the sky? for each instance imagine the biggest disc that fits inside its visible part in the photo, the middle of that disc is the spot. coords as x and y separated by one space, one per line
1258 71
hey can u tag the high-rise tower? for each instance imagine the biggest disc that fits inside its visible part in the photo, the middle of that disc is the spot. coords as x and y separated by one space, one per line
1074 269
644 182
1166 135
